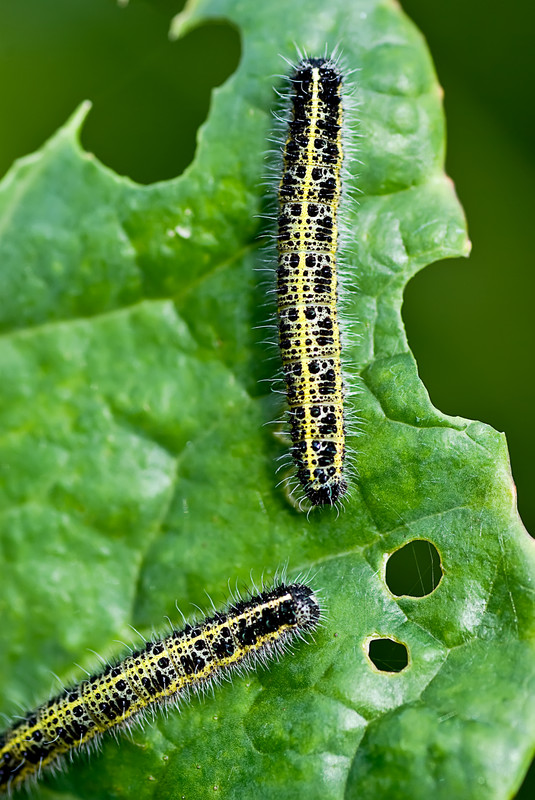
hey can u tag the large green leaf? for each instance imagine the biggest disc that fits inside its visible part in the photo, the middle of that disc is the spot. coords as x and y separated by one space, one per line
137 468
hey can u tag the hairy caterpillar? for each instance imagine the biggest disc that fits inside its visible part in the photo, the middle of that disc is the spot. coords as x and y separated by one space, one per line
307 279
169 669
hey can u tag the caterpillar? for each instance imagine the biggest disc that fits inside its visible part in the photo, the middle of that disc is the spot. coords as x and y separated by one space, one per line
166 670
307 279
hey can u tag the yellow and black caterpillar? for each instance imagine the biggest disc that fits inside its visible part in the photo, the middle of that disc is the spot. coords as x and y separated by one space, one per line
170 669
307 279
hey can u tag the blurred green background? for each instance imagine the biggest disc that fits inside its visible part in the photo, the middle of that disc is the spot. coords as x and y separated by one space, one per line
469 322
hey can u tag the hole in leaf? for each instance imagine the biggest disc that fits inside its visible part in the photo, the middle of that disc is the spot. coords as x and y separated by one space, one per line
414 569
388 655
526 791
149 95
146 125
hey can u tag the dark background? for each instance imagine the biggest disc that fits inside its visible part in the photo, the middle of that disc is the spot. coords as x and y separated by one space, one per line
470 322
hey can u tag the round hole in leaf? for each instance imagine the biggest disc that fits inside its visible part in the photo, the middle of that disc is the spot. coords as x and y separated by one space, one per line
414 570
388 655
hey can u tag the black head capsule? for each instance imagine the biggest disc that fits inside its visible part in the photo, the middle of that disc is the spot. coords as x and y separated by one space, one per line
307 607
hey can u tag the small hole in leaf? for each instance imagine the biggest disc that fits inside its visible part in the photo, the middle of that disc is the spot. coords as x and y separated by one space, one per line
528 786
388 655
414 569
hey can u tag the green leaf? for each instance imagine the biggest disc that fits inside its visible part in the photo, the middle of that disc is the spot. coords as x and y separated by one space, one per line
137 468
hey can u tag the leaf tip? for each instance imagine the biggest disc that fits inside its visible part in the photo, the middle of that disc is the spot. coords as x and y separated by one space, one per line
467 247
184 21
76 120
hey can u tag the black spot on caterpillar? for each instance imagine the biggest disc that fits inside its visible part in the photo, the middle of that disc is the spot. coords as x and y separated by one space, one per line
167 670
307 278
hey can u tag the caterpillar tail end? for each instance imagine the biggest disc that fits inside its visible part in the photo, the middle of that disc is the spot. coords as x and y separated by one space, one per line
327 495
